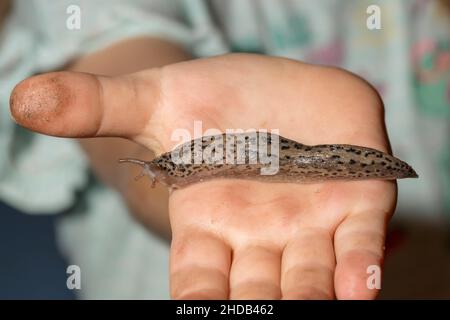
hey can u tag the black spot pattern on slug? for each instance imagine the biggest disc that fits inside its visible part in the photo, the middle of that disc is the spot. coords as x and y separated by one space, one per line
298 163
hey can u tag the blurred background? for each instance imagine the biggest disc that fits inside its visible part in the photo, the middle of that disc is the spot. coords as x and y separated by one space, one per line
31 265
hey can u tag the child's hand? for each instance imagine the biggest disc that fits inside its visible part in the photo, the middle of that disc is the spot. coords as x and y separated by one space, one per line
236 238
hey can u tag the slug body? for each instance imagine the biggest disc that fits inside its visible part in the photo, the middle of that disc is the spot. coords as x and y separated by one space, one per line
236 156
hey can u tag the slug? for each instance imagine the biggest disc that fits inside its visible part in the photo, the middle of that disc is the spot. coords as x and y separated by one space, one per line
236 156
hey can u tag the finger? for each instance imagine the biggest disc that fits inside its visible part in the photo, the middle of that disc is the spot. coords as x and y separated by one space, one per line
72 104
308 266
359 246
199 267
255 273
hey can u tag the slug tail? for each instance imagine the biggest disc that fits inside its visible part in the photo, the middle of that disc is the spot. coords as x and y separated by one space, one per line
409 173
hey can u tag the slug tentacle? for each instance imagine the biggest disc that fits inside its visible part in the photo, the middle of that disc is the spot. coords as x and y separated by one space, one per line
247 155
146 171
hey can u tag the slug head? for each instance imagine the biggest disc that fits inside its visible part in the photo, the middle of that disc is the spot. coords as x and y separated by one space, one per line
150 169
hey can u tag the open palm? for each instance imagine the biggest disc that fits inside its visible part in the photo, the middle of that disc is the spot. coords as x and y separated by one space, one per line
236 238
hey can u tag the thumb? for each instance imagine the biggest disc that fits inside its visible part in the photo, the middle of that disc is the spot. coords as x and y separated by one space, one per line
73 104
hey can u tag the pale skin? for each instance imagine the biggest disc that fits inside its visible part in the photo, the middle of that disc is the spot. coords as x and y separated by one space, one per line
230 238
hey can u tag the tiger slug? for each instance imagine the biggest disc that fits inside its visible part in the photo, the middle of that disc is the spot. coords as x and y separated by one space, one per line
235 156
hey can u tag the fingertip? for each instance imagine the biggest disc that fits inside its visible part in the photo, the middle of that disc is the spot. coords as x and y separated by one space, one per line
34 99
51 104
358 276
